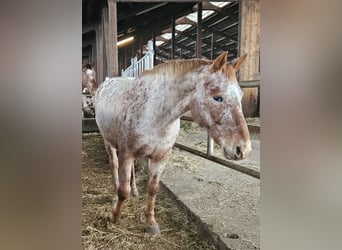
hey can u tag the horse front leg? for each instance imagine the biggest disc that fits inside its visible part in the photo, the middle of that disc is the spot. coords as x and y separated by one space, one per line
134 191
124 187
155 170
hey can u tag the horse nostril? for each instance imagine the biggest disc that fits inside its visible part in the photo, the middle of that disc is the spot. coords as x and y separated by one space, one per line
238 152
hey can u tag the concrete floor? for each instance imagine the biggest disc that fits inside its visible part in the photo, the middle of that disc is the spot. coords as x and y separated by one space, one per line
225 202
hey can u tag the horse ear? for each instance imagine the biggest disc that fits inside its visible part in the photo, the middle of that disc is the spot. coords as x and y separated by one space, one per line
236 63
220 61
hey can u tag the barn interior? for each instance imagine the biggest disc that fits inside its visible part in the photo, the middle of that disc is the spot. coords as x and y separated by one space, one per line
205 202
179 30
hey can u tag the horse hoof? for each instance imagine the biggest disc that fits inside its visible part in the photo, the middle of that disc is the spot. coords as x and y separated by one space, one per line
113 218
152 230
135 192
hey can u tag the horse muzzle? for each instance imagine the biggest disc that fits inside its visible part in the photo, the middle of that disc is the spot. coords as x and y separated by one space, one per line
238 151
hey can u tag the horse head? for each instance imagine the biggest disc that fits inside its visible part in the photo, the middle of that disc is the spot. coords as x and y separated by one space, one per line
89 78
216 106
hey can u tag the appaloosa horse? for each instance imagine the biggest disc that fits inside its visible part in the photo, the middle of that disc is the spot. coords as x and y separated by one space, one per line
140 118
89 86
88 79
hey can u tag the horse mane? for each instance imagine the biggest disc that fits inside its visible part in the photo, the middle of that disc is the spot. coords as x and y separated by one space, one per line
177 68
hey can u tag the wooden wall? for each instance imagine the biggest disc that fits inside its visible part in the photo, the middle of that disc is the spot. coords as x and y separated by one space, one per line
249 38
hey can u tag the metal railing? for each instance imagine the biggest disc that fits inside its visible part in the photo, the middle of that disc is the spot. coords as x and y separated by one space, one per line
137 67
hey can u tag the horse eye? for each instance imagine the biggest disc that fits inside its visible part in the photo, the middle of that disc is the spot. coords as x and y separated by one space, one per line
218 98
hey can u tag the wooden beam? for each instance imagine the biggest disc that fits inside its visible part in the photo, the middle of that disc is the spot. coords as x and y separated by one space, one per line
93 53
224 12
199 31
220 33
184 48
154 45
161 55
173 38
99 42
212 47
249 43
105 24
88 28
160 38
113 48
185 20
162 14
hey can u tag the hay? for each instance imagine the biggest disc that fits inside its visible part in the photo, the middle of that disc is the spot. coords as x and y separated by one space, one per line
177 231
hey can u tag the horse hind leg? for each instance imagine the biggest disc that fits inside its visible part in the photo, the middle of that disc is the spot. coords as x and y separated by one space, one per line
155 170
124 187
114 164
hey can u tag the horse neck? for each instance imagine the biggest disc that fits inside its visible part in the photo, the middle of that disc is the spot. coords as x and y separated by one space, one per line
171 95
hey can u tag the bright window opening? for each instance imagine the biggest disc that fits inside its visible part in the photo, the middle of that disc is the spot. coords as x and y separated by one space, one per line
182 27
220 4
158 43
167 35
205 14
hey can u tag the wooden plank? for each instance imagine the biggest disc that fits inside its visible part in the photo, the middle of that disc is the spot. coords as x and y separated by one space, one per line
89 125
249 43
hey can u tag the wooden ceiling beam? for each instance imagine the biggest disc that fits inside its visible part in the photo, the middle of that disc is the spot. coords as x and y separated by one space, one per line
224 12
218 32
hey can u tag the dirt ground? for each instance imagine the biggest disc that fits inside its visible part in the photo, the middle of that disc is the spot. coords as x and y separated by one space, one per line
177 232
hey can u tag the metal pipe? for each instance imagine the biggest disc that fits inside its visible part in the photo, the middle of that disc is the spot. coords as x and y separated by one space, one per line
250 84
245 170
210 145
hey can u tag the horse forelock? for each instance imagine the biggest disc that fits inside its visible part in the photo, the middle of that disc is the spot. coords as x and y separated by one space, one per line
230 73
177 68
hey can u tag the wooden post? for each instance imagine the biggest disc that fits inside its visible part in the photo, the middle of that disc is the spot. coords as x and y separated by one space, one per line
173 45
133 51
212 47
99 39
125 59
249 37
105 25
199 31
93 53
154 46
141 48
210 141
112 33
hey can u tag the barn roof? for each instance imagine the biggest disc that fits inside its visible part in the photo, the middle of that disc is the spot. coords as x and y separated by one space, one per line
143 19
